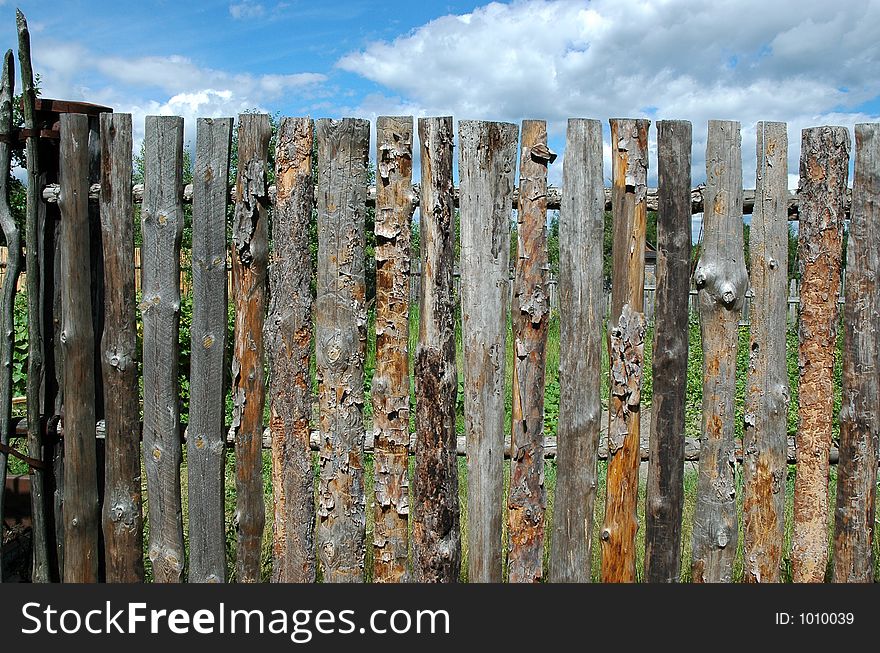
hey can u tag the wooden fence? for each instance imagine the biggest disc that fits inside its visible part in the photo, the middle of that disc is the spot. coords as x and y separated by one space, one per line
319 529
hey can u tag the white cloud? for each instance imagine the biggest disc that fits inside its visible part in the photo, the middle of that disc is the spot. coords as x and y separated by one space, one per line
246 9
802 61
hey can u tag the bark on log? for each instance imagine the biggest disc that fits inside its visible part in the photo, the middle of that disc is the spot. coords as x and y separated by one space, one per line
767 395
123 517
162 226
394 138
10 280
487 163
250 256
665 490
436 529
340 345
81 521
206 451
530 313
857 471
288 344
626 330
581 304
722 282
34 231
824 167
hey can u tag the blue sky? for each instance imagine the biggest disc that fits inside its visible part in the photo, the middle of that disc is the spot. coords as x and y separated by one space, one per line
805 62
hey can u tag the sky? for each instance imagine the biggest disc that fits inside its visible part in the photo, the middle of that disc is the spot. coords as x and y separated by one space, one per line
804 62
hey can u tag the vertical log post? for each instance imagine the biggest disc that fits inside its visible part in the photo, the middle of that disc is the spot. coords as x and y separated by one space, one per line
394 209
81 523
765 441
857 468
206 439
722 281
288 343
436 534
665 488
10 279
34 227
824 169
162 228
530 315
250 257
487 163
629 138
340 346
581 306
123 519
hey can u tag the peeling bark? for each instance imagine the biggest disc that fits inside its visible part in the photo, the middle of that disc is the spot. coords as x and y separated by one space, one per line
824 170
81 513
854 522
288 342
394 210
665 487
487 165
123 517
206 451
436 534
581 305
162 226
340 345
722 283
629 191
766 414
531 319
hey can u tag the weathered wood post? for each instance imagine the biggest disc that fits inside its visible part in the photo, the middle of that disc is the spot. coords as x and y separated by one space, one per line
722 282
665 488
81 522
206 438
824 168
436 535
122 516
854 517
765 441
487 163
288 343
250 256
629 138
581 306
394 209
340 345
13 267
162 228
530 315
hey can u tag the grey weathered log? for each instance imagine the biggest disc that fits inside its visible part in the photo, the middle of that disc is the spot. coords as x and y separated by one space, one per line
390 391
665 486
436 519
250 259
340 345
854 517
626 331
122 512
530 316
34 228
162 228
206 451
722 282
824 168
81 518
767 395
487 163
581 302
288 344
13 267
